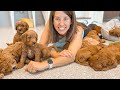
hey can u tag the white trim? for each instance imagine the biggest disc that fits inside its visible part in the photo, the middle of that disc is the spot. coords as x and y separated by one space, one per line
46 15
30 14
12 19
33 14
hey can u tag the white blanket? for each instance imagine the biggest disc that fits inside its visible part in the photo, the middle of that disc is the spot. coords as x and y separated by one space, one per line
108 26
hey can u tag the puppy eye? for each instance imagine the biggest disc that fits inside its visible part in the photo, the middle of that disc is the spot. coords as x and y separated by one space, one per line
29 37
22 25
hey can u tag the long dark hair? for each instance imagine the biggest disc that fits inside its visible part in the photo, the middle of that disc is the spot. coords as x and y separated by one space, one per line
70 32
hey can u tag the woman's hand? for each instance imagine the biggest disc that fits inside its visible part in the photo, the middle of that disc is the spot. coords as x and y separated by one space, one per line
34 67
66 53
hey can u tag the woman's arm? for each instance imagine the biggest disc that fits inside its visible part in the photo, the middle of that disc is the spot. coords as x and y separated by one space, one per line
76 43
39 66
45 39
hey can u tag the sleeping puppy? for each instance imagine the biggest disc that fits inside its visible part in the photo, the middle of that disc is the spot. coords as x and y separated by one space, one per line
107 58
115 32
84 54
32 50
92 38
92 27
21 27
116 45
95 27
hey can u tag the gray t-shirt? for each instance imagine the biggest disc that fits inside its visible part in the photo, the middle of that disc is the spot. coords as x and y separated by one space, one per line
62 42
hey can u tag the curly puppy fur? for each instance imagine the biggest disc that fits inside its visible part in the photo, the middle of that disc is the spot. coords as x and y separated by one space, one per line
8 58
92 38
115 32
32 50
21 27
107 58
92 27
1 50
84 54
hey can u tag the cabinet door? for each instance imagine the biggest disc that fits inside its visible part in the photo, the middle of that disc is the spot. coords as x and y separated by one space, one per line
108 15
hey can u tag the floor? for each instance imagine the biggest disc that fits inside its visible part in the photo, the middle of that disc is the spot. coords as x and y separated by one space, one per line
70 71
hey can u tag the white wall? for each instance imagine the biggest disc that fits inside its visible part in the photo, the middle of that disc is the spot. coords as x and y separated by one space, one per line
5 20
95 16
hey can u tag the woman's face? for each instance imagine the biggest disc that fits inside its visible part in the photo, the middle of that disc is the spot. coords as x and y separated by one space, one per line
61 22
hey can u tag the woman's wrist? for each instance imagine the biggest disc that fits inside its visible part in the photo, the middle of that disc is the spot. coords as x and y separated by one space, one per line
43 65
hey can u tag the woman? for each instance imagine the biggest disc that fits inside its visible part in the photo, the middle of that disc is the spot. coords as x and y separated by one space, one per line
61 28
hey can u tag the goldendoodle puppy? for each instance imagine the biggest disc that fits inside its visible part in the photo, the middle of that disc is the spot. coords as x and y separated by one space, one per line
115 32
107 58
31 50
8 58
21 27
84 54
92 38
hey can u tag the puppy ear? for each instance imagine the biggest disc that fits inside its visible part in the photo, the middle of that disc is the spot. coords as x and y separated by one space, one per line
36 37
23 37
16 27
26 26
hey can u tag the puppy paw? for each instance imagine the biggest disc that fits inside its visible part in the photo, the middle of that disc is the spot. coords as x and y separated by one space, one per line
19 65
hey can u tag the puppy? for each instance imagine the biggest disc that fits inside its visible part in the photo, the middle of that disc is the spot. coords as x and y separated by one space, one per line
92 27
9 57
115 32
92 38
84 54
21 27
32 50
107 58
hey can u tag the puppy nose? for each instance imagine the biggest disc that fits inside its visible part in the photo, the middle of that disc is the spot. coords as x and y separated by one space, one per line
14 68
19 29
33 42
